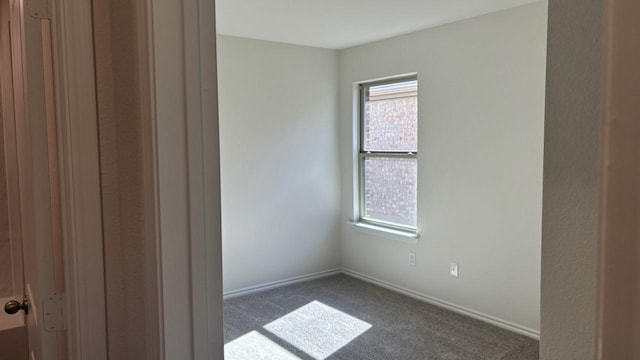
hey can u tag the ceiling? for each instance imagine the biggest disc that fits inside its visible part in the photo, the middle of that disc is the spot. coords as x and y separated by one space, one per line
339 24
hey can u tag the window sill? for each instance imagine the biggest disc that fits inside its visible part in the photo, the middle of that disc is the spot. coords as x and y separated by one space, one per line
393 234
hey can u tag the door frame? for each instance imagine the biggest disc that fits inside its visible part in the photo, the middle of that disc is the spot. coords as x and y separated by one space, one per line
76 112
181 165
618 301
186 167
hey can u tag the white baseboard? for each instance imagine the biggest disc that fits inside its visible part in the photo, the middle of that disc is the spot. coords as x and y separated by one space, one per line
446 305
387 285
280 283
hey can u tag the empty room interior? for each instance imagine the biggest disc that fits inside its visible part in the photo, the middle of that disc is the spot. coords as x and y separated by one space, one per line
381 175
338 179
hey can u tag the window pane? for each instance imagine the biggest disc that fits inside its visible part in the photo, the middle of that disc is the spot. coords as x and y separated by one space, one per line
391 117
390 190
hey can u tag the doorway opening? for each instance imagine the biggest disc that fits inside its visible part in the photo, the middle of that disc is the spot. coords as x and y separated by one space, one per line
300 192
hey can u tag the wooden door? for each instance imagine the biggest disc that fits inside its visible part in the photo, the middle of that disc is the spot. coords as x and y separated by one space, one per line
38 181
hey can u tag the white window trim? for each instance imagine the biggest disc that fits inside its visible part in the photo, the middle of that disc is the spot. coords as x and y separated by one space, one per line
394 231
410 237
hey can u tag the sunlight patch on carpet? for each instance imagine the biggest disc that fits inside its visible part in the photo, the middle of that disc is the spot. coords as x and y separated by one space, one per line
256 346
317 329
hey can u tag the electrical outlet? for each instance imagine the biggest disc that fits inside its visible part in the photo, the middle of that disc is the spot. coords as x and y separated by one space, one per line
412 259
453 269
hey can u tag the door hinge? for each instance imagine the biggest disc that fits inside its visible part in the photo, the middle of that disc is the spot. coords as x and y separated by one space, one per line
53 312
39 9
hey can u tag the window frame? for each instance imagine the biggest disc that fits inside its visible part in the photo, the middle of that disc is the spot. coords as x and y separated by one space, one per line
362 155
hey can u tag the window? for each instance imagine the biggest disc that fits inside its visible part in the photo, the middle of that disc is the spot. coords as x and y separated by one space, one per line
388 149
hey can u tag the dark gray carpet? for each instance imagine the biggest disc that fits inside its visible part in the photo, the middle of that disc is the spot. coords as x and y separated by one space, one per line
401 327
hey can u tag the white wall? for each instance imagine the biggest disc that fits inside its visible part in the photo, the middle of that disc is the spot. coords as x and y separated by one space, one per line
481 115
570 220
279 160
